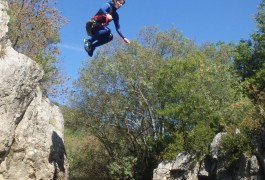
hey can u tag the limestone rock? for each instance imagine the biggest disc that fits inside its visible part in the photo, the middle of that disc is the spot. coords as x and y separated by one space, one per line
31 127
215 145
162 172
212 166
4 19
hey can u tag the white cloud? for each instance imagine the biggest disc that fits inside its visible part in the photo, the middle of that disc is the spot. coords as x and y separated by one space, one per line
71 47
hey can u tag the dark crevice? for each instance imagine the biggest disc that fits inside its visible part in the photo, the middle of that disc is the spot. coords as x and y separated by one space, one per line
5 153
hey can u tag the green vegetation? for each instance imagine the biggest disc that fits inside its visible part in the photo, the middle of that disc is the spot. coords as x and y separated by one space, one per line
162 95
85 153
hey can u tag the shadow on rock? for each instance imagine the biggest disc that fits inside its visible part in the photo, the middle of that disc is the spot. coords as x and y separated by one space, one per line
57 153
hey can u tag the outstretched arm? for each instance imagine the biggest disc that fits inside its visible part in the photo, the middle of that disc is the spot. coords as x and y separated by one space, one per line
118 28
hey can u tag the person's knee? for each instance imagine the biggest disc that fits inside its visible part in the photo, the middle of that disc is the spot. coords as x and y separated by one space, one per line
108 31
110 37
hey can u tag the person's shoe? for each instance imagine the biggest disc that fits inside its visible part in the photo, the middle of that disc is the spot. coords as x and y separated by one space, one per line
89 47
91 50
87 42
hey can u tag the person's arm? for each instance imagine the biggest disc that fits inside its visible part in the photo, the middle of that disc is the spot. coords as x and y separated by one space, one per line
118 27
104 10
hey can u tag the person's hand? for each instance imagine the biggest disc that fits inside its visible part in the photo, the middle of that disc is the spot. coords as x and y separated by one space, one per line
126 41
109 17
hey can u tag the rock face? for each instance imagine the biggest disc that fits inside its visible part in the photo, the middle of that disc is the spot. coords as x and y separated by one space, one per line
4 19
31 127
211 167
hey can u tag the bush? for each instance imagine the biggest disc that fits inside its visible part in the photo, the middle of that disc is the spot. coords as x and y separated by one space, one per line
174 148
199 139
232 147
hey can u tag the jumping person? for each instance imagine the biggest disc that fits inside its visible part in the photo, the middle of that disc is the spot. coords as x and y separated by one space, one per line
97 26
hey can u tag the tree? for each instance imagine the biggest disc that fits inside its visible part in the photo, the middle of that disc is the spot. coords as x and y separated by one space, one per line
117 91
138 99
34 31
86 155
250 66
250 61
199 91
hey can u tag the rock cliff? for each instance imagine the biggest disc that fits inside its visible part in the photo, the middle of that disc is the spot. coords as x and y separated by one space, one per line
31 127
212 166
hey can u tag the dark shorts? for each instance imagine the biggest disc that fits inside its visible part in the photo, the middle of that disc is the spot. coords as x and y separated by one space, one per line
92 27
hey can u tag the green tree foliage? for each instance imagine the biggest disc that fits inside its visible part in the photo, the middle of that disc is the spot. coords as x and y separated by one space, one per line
85 153
250 61
159 96
200 90
34 31
233 146
250 66
117 91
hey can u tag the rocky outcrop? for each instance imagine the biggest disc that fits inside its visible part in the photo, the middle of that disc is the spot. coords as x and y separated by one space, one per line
211 167
4 19
31 127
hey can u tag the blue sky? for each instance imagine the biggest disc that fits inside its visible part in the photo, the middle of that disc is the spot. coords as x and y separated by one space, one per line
199 20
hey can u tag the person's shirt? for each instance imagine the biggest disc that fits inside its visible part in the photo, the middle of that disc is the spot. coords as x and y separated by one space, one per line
109 8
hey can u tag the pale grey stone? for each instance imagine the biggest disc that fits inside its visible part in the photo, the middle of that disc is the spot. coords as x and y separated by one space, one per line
31 127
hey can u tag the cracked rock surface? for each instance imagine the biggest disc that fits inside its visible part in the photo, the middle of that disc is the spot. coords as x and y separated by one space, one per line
31 127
